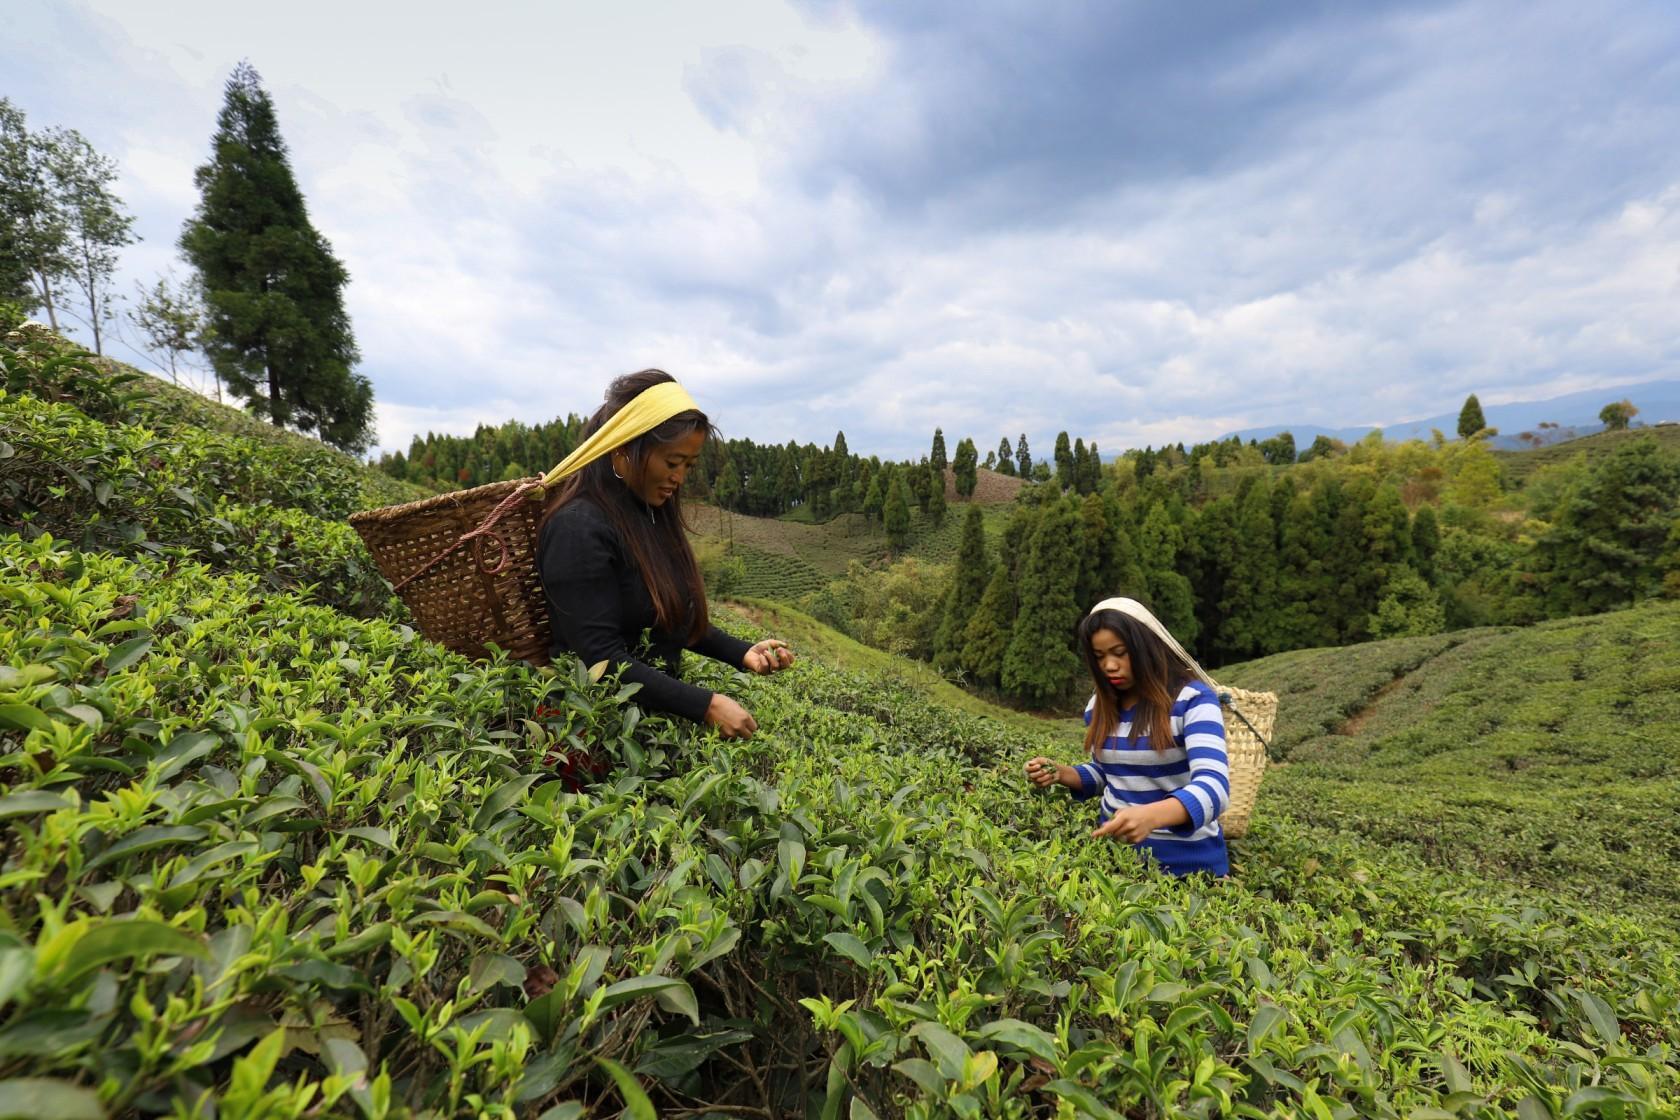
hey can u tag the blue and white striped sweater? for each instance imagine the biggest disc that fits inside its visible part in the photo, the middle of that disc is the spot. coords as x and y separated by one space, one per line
1193 769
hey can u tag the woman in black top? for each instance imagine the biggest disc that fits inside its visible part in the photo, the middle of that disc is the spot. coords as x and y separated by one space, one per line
616 566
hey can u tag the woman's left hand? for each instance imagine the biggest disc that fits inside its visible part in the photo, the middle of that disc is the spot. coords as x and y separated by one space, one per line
769 656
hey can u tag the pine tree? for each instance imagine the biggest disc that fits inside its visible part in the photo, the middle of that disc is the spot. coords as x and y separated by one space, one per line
937 458
1209 559
968 584
1023 458
1351 580
986 636
1039 662
895 514
1005 458
1470 419
1064 461
274 292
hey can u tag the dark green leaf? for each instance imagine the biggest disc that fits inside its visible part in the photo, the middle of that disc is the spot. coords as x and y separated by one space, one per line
126 654
40 1098
119 940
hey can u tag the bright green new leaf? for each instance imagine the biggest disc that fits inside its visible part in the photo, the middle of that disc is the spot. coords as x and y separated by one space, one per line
636 1103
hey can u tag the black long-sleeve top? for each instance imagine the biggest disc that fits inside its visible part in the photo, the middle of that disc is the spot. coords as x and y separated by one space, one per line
598 608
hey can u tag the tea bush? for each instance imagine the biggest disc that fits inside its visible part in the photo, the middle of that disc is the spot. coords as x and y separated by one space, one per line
266 859
261 852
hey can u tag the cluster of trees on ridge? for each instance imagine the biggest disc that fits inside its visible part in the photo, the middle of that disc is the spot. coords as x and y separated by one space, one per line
1371 541
264 304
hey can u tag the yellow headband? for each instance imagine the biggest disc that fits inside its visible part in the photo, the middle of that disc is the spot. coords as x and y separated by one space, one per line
645 412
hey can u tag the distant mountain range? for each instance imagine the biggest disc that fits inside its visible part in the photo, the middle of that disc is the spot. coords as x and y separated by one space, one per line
1575 414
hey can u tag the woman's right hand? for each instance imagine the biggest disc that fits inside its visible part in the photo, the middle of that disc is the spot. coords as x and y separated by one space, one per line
1043 772
731 720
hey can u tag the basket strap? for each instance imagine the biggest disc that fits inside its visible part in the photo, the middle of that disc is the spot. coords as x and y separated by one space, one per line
1225 699
502 509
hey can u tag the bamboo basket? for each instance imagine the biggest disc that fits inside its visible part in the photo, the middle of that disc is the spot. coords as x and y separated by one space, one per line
487 590
1245 750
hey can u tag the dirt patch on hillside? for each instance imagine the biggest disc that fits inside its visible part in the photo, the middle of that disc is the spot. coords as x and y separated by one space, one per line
990 487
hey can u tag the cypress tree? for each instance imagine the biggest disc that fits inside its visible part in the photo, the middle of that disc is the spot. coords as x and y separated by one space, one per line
873 499
966 468
1470 419
968 584
1064 461
937 459
1250 606
1210 561
1096 553
1005 457
1023 457
935 508
987 633
273 291
1170 594
1039 663
895 513
1304 586
1349 576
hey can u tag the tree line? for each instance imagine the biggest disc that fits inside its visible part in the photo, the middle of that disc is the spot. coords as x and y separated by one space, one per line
1247 559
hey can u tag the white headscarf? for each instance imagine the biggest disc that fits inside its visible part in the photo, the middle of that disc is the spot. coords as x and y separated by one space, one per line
1137 610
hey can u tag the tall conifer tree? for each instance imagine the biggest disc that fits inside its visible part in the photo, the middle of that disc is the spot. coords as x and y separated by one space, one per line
895 514
1470 418
273 290
1064 461
1023 457
968 584
937 458
987 634
1039 663
1005 457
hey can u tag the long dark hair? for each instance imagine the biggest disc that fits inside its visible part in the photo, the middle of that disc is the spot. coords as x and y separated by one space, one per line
658 544
1157 676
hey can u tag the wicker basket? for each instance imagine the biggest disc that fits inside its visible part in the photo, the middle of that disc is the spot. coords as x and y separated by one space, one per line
486 591
1247 728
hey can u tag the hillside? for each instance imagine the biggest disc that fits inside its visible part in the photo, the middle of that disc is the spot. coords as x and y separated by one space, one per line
1519 465
785 557
1539 756
297 861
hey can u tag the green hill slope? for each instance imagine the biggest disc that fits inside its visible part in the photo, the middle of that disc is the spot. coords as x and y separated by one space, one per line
1518 465
264 853
1541 756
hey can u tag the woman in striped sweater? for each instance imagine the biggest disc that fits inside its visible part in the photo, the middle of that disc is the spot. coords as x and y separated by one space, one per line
1156 738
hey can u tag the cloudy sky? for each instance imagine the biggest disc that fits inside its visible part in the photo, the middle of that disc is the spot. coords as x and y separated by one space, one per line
1140 222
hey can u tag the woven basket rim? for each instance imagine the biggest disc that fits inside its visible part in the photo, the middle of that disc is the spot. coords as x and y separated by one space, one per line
448 500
